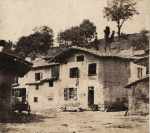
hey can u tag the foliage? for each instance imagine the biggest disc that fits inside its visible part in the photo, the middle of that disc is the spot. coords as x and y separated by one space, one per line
37 43
78 35
141 42
120 11
88 30
70 36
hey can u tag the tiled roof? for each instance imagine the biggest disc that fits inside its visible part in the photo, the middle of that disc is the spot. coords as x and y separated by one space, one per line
137 81
14 63
42 62
54 51
94 52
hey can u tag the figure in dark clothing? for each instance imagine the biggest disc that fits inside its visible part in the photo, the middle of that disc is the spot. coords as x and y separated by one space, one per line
106 32
96 42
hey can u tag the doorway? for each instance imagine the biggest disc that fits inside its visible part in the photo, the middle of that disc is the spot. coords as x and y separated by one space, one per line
90 96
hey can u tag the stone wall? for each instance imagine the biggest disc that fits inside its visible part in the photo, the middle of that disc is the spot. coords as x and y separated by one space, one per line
139 98
6 79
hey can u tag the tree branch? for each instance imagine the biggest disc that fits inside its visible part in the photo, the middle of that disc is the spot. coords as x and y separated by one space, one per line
122 22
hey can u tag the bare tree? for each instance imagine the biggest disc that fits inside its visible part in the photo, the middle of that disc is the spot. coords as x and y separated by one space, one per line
120 11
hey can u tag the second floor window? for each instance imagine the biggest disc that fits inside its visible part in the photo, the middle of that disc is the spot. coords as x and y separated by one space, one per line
80 58
55 71
92 69
139 72
74 72
38 76
19 92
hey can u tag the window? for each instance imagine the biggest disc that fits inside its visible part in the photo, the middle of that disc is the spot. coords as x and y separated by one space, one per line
80 58
70 93
50 98
92 69
36 87
22 92
74 72
51 83
38 76
55 71
19 92
35 99
140 72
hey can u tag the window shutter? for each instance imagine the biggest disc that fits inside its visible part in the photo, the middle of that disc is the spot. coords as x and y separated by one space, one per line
75 93
41 75
65 94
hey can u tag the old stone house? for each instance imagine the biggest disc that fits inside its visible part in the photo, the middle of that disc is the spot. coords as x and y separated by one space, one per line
89 77
83 78
10 67
40 84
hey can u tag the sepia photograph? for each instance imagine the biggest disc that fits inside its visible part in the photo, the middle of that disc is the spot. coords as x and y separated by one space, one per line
74 66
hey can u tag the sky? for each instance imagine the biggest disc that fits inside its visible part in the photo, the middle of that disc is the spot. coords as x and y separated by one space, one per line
19 17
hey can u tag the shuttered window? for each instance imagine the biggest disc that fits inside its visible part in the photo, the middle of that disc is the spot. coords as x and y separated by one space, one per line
140 72
74 72
38 76
55 71
80 58
92 69
70 93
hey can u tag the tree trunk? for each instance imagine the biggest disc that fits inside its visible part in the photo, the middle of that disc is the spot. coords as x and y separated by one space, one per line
119 28
119 31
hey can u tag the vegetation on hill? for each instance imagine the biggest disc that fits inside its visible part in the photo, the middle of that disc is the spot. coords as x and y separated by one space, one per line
78 35
37 43
138 41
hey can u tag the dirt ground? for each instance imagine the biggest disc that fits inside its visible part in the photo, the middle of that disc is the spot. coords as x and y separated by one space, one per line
78 122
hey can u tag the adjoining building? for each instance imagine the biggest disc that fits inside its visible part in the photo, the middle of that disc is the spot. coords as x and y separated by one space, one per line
82 78
139 96
10 67
138 90
40 84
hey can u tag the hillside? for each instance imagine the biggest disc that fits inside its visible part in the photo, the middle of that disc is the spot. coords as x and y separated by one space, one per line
130 42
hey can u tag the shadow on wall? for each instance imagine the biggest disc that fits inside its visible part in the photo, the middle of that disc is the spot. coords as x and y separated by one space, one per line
118 105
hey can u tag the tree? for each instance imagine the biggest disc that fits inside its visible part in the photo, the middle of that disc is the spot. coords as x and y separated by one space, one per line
88 30
37 43
142 41
70 36
78 35
120 11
